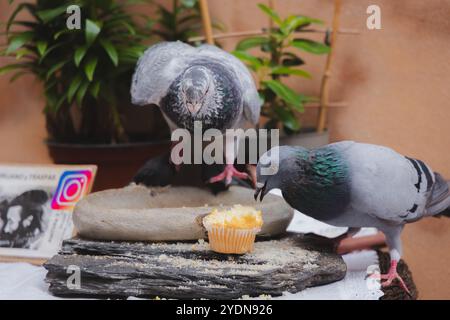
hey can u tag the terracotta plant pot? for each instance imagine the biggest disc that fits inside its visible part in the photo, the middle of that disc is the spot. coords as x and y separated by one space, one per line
117 163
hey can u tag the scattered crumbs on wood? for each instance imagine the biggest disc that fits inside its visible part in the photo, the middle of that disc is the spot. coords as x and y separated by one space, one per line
192 270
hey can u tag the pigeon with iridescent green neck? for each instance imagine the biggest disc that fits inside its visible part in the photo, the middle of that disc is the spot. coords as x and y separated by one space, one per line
355 185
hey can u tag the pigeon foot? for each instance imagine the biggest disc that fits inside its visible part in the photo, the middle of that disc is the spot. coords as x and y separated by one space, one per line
393 275
228 173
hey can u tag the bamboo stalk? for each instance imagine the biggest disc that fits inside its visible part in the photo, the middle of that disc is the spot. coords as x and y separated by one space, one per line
239 34
272 5
206 19
324 89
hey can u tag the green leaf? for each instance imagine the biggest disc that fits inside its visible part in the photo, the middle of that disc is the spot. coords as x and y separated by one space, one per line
251 43
22 52
54 68
49 85
41 46
58 34
254 62
129 27
110 50
290 59
107 4
19 8
89 68
167 18
149 23
299 108
134 2
92 31
50 14
94 89
73 87
54 101
11 67
287 118
292 23
217 25
310 46
284 92
290 71
271 13
79 54
60 102
28 24
50 49
306 98
18 41
81 93
190 18
17 75
130 55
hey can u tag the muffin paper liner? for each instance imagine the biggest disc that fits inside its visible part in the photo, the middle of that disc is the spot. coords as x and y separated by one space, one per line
231 240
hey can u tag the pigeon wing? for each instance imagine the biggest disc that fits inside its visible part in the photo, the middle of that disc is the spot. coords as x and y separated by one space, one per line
387 185
251 100
157 69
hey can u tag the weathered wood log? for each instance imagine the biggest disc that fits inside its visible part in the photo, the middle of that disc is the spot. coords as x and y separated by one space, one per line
191 270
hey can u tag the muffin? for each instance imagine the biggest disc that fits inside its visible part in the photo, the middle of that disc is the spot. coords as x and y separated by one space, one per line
233 230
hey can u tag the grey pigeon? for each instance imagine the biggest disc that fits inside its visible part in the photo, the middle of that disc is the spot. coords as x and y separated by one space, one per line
356 185
203 84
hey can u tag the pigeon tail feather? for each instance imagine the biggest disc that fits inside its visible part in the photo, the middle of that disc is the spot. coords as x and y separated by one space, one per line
445 213
439 204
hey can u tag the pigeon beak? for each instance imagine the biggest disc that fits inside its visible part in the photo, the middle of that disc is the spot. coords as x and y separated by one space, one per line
260 192
194 108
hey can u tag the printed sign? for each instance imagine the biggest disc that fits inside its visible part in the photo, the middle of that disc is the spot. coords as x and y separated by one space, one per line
36 204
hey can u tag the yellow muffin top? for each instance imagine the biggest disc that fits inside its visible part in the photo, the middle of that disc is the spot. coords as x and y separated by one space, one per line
238 217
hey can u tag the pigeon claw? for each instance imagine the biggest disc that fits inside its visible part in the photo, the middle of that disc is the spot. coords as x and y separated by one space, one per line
227 175
393 275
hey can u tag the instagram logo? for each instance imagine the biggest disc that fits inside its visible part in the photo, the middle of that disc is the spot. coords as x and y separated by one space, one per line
72 186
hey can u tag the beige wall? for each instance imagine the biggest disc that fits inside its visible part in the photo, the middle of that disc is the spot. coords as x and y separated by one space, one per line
394 81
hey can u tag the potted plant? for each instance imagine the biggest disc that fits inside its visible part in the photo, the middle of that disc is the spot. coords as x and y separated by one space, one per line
181 21
279 59
86 75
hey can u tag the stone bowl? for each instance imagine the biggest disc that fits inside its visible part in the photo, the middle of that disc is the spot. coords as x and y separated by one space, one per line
137 213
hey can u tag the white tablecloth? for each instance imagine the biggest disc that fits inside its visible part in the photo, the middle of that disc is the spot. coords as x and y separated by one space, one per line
25 281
